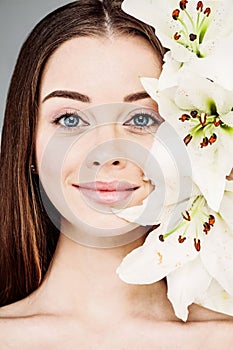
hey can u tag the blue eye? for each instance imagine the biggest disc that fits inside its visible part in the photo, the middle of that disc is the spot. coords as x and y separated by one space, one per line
70 120
142 120
146 120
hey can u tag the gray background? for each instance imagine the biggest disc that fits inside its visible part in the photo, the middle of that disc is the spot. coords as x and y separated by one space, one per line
17 18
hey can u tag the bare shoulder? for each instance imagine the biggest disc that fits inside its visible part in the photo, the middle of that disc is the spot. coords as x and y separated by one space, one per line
39 332
210 335
22 330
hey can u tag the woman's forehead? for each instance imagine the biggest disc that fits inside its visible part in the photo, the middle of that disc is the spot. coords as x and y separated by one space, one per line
94 65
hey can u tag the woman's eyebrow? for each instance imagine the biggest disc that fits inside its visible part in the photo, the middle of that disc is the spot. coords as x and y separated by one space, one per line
136 96
73 95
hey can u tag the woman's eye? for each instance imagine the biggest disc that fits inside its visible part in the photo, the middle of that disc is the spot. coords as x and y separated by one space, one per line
144 121
70 120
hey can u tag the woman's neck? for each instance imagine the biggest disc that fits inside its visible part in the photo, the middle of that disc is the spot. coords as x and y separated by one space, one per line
83 280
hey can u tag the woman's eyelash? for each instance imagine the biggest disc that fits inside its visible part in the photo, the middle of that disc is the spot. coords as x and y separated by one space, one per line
144 120
70 120
140 121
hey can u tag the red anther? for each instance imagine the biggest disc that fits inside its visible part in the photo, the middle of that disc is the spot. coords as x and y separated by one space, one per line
194 114
217 121
177 36
186 216
192 37
211 220
207 11
203 119
204 142
175 14
187 139
184 117
183 4
212 139
200 5
206 227
197 244
161 238
181 239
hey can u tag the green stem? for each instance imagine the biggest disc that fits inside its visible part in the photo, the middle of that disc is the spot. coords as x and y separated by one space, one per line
185 27
167 234
191 20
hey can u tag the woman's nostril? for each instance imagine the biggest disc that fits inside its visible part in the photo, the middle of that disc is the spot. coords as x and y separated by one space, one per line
96 163
116 162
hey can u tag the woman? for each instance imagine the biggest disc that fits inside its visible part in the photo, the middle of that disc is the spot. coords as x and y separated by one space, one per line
81 61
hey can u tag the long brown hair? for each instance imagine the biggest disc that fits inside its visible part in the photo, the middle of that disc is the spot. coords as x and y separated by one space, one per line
28 238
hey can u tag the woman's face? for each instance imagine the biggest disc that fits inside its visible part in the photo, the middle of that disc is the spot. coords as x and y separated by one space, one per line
94 120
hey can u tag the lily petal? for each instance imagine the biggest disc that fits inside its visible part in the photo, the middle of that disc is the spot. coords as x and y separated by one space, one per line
185 285
151 86
216 299
226 205
228 119
217 255
155 259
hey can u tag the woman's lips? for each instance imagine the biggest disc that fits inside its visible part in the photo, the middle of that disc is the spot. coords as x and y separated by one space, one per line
107 192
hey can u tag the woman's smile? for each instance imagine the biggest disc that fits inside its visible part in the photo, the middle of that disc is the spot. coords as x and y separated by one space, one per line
107 192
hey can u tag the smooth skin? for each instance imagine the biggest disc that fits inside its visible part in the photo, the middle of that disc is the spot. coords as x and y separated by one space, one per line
82 303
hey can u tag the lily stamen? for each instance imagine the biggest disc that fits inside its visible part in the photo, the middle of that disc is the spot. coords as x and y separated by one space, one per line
207 11
200 6
211 220
203 119
212 139
217 122
184 117
186 216
206 227
183 4
181 239
204 142
187 139
175 14
161 238
177 36
197 244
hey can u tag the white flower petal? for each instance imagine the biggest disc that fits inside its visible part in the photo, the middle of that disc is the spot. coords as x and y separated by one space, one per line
210 167
216 299
226 208
185 285
151 86
217 255
155 259
228 118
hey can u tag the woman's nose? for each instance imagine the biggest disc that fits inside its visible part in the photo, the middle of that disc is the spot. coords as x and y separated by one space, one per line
110 154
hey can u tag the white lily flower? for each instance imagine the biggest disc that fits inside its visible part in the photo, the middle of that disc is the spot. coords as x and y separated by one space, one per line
187 28
201 113
194 256
199 35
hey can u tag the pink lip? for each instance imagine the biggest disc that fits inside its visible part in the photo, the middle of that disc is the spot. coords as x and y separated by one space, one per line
107 192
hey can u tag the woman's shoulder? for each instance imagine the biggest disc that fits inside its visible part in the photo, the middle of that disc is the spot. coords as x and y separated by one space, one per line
22 328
